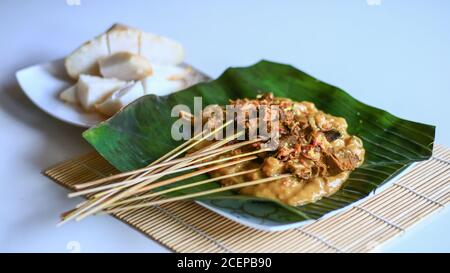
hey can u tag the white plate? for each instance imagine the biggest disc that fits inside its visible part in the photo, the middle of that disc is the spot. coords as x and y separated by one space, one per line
42 83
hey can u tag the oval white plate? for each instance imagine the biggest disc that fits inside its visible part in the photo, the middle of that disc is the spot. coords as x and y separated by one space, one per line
42 83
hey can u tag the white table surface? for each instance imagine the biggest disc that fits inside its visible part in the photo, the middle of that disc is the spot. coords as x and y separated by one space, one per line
395 56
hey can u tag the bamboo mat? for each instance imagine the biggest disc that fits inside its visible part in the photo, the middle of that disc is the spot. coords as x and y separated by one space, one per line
188 227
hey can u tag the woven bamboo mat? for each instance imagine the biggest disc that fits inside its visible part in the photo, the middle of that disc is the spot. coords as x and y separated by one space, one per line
188 227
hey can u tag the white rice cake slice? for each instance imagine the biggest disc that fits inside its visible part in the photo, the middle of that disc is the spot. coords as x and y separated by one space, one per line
84 59
69 95
161 50
122 38
125 66
121 98
166 80
92 90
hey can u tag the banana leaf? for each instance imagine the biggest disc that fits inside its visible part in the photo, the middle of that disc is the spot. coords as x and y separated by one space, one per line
141 133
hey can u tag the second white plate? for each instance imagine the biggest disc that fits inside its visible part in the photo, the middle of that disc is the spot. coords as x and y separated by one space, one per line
42 84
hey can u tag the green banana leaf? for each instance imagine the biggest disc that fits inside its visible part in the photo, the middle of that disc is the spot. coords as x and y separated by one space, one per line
141 133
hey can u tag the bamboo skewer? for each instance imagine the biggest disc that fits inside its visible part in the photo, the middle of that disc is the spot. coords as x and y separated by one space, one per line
185 176
141 170
185 149
138 181
181 164
84 211
92 202
189 145
163 164
202 138
203 193
130 191
213 146
143 178
78 211
192 174
190 185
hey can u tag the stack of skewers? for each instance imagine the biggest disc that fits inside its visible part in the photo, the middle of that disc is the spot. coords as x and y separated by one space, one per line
141 188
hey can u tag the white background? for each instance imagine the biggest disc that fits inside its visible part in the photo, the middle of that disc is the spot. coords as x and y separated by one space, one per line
395 56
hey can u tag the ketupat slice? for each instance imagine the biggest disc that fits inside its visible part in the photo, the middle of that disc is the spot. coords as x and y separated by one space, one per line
92 90
69 95
161 50
121 98
122 38
125 66
84 59
166 79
